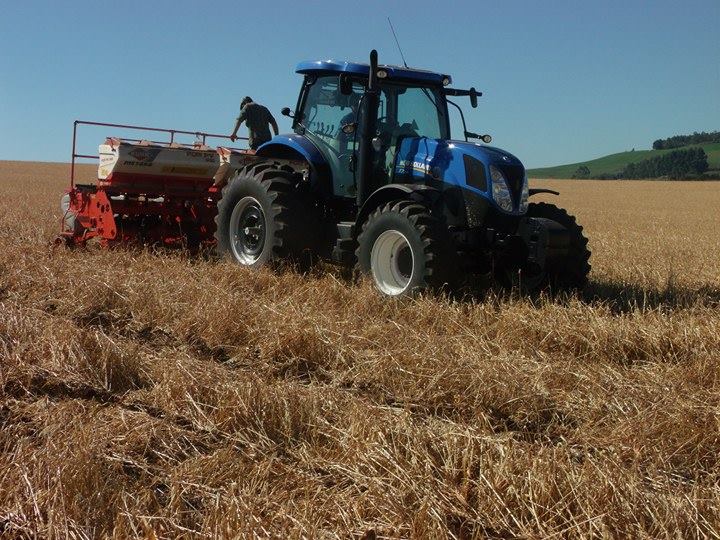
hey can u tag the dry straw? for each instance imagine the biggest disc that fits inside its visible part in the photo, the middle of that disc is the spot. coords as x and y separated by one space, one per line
151 394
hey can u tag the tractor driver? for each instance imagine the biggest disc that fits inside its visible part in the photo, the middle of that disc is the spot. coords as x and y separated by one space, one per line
350 118
258 120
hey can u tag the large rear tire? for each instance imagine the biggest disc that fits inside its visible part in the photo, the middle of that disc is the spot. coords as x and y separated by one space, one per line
261 218
405 249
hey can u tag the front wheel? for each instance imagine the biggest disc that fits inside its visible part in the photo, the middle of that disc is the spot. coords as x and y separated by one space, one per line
405 249
570 273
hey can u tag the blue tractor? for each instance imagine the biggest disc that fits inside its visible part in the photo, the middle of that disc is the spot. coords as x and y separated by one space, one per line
371 178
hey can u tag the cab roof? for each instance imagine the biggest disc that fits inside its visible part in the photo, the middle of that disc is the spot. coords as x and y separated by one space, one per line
321 67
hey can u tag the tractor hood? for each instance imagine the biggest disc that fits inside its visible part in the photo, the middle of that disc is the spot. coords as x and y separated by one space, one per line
486 153
458 163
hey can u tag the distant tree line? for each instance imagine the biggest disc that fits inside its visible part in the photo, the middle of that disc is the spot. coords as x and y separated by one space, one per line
583 171
685 140
678 164
686 164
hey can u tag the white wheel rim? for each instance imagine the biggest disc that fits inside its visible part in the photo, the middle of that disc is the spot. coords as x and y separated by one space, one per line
390 265
247 231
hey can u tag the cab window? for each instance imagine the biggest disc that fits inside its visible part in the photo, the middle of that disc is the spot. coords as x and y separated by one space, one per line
326 109
421 109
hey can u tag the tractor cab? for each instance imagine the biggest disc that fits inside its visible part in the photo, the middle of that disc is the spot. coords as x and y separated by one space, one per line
336 112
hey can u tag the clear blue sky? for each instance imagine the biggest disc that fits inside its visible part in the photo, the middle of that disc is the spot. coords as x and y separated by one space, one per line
564 81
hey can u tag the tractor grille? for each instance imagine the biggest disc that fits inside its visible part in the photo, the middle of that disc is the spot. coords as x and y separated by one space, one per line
475 173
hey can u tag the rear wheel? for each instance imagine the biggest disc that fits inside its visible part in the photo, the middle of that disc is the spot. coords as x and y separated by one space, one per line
261 218
405 249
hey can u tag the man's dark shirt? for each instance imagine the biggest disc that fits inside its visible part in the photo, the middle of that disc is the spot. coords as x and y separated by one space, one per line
258 120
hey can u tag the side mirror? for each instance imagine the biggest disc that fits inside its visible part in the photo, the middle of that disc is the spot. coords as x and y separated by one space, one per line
286 112
345 84
473 97
487 139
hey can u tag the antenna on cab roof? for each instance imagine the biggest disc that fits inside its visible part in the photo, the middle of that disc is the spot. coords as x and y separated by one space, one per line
397 42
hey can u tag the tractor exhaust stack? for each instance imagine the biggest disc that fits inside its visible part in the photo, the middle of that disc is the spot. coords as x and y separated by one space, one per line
367 132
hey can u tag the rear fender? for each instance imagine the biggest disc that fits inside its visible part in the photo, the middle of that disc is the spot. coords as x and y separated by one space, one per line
298 147
537 191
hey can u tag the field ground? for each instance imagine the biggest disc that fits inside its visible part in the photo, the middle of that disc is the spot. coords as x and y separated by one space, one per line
615 163
156 395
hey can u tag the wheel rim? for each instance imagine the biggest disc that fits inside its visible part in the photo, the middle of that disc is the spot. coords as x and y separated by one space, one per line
247 230
392 262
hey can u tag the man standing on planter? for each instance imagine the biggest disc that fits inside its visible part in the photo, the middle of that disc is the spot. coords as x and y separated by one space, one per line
258 120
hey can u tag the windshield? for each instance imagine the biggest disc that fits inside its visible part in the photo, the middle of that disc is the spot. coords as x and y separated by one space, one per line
421 109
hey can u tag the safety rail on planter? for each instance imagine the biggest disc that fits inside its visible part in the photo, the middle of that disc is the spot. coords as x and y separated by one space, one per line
201 135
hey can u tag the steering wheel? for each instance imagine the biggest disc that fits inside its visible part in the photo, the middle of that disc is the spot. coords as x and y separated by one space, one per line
407 129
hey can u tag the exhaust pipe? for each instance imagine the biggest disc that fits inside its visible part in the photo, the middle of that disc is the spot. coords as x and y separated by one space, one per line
372 79
367 131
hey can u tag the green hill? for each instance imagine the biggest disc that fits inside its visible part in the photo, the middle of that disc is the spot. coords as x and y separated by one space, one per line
615 163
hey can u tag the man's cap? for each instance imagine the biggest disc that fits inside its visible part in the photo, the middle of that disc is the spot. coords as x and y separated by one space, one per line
246 100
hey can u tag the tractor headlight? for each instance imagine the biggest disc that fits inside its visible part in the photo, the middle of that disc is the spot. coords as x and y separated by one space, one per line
524 196
500 190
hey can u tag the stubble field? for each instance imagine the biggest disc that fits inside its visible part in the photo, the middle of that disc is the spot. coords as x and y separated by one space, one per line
157 395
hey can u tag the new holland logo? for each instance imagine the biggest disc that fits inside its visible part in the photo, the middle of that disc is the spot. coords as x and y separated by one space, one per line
407 166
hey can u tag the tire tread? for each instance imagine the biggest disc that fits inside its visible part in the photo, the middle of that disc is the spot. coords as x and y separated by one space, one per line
433 233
